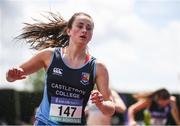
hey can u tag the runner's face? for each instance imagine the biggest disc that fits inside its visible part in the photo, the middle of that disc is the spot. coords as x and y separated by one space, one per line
82 30
163 103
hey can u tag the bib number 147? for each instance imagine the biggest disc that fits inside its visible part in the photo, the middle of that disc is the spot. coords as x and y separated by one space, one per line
67 110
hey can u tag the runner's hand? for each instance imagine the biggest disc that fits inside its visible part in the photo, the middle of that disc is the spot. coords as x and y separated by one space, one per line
96 97
14 74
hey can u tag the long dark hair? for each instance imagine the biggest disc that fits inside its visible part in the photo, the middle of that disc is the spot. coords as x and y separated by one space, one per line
42 35
158 94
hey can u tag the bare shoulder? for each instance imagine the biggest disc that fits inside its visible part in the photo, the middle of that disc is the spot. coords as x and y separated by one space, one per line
47 51
172 99
100 66
114 93
44 54
145 102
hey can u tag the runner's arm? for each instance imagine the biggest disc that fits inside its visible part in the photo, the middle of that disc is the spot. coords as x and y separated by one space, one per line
102 97
139 105
38 61
174 110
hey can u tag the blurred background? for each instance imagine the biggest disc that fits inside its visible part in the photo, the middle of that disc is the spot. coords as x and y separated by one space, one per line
138 40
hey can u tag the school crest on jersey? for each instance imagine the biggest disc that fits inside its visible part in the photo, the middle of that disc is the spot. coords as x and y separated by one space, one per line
85 78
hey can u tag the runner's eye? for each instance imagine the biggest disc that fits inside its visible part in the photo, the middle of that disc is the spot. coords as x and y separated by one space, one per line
80 26
88 28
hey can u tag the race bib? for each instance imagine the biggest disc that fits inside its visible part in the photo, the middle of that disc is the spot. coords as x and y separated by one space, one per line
65 110
158 121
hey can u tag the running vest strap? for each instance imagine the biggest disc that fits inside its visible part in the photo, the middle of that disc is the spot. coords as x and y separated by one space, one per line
68 90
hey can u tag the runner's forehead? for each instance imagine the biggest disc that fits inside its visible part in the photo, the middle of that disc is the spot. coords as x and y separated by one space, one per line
82 19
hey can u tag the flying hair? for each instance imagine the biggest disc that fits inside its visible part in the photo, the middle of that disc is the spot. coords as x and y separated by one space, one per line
42 35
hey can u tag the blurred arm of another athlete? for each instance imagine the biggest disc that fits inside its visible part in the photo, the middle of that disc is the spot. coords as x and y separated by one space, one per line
119 104
38 61
174 110
139 105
